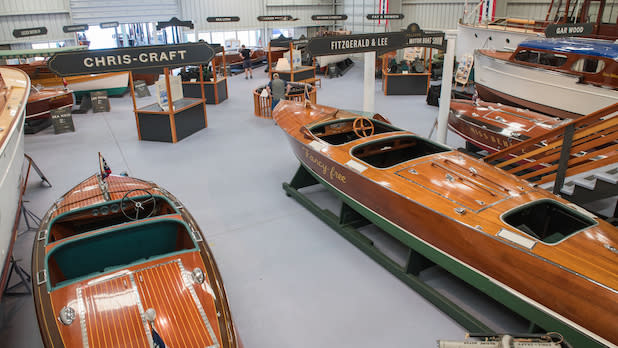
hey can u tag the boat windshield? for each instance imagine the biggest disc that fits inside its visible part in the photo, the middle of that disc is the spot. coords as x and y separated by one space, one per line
120 247
340 130
394 150
548 220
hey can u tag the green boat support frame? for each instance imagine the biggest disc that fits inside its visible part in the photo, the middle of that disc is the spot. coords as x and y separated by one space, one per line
422 256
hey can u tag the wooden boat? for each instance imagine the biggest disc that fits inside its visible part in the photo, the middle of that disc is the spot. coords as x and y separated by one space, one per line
493 127
42 101
507 33
14 89
511 237
116 257
233 58
566 78
114 84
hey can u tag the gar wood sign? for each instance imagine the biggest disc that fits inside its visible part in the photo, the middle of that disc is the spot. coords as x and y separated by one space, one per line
412 36
130 58
568 29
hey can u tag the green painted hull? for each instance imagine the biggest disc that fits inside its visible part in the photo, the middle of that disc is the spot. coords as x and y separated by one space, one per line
118 91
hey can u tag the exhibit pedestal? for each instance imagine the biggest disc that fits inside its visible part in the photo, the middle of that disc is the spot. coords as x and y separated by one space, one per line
406 84
156 124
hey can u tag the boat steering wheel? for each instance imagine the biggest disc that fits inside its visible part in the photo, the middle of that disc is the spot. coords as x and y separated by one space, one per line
363 127
139 204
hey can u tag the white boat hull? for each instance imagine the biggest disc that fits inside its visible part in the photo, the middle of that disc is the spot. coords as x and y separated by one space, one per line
472 37
11 162
540 89
323 61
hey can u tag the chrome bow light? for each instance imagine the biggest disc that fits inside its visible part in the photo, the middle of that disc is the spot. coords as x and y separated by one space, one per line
198 276
67 315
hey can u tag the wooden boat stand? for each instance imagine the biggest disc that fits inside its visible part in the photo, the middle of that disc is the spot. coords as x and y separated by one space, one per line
420 257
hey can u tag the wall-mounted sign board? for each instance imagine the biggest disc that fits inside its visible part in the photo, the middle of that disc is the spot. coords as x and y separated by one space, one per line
130 58
276 18
413 36
75 28
329 17
222 19
29 32
174 22
568 29
107 25
381 16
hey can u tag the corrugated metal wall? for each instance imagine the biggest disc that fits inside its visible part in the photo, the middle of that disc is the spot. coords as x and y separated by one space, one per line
19 14
433 14
124 11
248 10
528 9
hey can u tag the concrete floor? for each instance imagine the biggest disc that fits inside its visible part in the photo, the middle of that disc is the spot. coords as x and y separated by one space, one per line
291 280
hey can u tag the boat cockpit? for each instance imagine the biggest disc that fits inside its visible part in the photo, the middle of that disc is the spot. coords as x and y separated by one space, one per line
387 152
344 127
122 238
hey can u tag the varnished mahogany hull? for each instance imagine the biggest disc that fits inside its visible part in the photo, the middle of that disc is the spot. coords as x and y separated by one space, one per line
493 127
42 103
105 328
582 304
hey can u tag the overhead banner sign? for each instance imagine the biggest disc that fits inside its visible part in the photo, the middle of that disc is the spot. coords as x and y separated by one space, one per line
329 17
75 28
276 18
174 22
413 36
568 29
130 58
381 16
222 19
107 25
29 32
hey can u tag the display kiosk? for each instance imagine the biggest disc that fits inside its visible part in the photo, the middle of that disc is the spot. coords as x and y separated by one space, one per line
294 74
214 89
412 82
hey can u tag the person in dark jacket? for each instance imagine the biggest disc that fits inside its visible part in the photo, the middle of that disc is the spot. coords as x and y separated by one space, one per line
277 88
246 61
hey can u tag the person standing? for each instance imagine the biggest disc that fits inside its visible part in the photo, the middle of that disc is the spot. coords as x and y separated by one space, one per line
277 88
246 61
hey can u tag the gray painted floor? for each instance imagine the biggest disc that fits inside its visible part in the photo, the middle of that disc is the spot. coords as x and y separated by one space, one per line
291 280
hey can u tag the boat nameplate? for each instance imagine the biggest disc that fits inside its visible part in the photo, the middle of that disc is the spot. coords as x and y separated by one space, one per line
517 238
356 166
41 277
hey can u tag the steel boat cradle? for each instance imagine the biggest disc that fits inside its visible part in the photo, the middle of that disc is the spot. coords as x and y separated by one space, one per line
544 258
119 261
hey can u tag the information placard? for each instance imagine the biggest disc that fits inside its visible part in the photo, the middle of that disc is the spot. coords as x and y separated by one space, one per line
29 32
568 29
75 28
276 18
62 120
100 101
222 19
141 89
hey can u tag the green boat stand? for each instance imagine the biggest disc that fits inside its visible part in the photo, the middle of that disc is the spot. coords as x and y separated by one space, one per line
420 258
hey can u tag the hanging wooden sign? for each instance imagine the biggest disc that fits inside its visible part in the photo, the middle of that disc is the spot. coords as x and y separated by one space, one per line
276 18
29 32
75 28
174 22
130 58
329 17
222 19
382 16
413 36
107 25
568 29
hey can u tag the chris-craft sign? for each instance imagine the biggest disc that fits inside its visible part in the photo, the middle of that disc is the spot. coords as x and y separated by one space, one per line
130 58
75 28
413 36
29 32
568 29
222 19
380 16
329 17
275 18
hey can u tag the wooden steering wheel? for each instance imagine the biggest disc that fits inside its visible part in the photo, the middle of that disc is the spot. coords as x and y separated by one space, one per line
363 127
